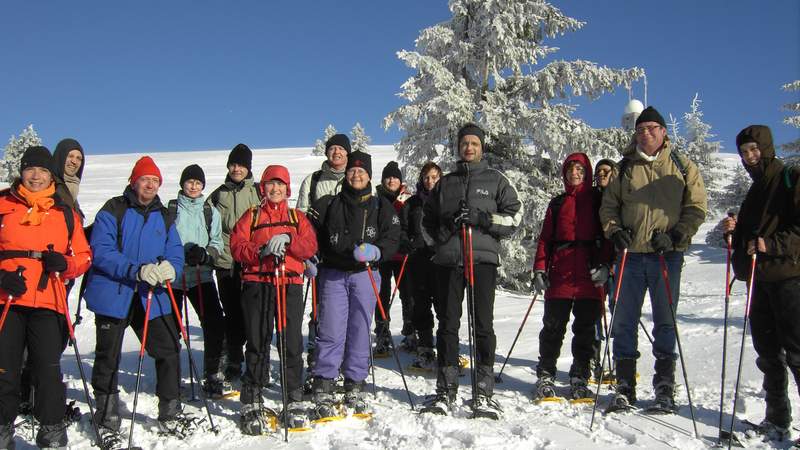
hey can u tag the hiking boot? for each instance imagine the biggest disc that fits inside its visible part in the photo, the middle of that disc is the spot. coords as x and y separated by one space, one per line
296 415
626 379
180 425
440 403
52 436
579 388
544 388
216 387
324 402
409 343
486 407
382 346
665 397
425 360
354 397
257 420
772 432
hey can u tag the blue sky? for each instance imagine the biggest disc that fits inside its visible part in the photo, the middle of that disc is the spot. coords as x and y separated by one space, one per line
193 75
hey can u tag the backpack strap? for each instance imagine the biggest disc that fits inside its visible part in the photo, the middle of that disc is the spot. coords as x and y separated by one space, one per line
787 178
254 225
312 192
208 215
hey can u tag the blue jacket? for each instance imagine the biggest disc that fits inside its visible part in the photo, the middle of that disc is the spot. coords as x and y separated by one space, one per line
144 239
192 228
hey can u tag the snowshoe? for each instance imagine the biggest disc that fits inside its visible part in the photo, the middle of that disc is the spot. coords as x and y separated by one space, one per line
545 390
579 391
296 417
425 362
257 420
439 403
619 403
485 407
181 425
766 430
326 411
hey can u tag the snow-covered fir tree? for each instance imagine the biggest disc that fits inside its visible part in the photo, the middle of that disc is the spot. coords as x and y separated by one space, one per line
486 65
319 146
700 147
9 167
793 147
729 200
359 139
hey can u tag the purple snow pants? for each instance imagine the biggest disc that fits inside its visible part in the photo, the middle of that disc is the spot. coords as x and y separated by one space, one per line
346 305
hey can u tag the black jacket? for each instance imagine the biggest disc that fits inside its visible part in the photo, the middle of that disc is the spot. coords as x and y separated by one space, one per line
346 220
480 187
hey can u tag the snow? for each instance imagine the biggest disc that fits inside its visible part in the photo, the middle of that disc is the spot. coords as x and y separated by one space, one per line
524 424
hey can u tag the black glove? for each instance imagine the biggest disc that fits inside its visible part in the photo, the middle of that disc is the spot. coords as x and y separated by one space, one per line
473 217
677 237
406 247
53 261
540 281
195 256
622 239
13 283
661 242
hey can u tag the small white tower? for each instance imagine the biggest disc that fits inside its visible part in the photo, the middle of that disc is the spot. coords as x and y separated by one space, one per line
631 113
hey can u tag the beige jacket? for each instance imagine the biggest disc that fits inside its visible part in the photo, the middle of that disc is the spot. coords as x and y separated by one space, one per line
654 196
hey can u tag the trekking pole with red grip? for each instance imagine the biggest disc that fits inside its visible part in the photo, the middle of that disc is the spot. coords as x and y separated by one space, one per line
729 244
498 378
185 299
280 321
141 359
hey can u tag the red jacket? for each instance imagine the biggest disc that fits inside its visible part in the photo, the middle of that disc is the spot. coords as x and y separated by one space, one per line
245 247
52 230
572 243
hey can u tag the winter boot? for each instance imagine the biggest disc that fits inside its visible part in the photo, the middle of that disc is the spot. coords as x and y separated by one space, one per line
409 343
324 402
771 432
233 372
446 392
7 437
257 420
486 407
545 385
354 397
107 411
382 344
625 391
52 436
664 385
296 415
216 387
579 389
173 421
425 360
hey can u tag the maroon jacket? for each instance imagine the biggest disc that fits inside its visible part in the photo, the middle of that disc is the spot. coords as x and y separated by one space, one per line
572 243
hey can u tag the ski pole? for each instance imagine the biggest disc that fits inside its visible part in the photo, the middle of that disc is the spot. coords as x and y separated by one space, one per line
280 316
499 378
71 329
192 365
728 241
141 359
610 329
386 329
672 308
185 300
391 341
7 306
750 284
469 274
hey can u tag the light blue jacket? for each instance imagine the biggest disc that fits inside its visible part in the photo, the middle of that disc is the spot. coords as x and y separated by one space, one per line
192 228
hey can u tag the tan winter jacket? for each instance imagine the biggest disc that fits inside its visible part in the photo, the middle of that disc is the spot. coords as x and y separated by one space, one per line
653 196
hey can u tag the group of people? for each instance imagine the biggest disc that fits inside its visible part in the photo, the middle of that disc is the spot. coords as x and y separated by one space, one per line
241 254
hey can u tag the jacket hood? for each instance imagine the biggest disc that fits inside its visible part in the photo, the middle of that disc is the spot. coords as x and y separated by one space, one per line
275 173
583 160
60 157
762 136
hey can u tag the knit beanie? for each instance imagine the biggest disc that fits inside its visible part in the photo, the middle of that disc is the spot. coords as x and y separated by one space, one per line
392 170
193 172
360 159
241 155
36 156
145 166
338 139
651 115
474 130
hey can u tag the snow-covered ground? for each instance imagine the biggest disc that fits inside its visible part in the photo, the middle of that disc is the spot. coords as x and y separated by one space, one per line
524 425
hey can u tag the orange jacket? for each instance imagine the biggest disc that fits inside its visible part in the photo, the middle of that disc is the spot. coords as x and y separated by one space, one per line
52 230
245 247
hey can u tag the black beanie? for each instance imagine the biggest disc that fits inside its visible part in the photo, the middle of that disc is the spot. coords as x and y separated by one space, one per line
651 115
36 156
241 155
391 170
338 139
360 159
474 130
193 172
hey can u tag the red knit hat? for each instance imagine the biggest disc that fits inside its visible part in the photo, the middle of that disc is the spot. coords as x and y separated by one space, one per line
145 166
277 173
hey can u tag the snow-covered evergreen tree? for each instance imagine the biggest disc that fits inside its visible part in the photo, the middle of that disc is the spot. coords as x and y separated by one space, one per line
319 146
359 139
9 167
484 65
677 141
700 147
793 147
730 199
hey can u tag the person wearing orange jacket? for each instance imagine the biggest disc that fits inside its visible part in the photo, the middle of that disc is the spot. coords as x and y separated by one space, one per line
265 235
38 253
